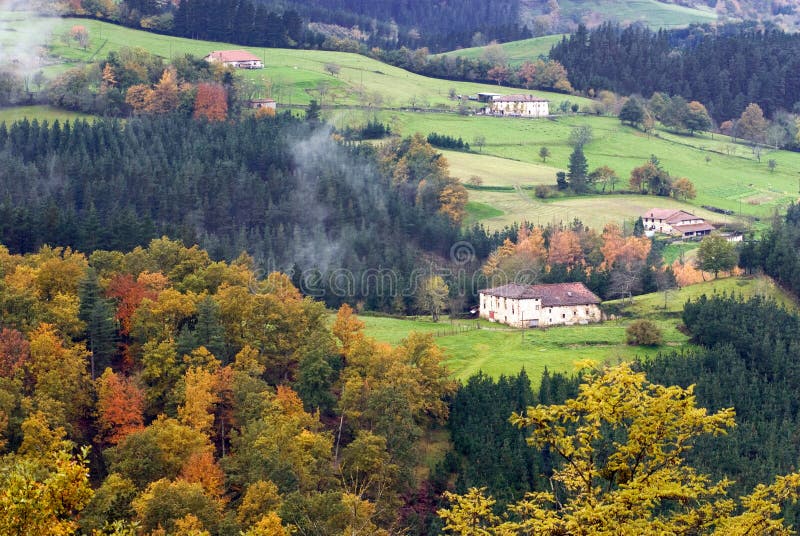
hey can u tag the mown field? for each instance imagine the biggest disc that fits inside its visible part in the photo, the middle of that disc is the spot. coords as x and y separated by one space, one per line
497 350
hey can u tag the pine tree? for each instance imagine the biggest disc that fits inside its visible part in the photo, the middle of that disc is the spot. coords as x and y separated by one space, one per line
578 169
98 315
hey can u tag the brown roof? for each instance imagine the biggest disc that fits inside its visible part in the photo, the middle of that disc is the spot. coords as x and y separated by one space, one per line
680 216
660 213
518 98
233 55
552 295
693 227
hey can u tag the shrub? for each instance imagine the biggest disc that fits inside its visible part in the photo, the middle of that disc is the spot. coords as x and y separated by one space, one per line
644 333
542 191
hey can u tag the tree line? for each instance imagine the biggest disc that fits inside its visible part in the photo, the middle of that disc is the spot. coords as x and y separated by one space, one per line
726 67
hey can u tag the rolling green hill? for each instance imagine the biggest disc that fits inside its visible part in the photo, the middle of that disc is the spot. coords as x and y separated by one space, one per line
518 51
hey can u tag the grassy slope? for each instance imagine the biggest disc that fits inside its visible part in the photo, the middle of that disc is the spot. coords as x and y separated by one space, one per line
295 74
736 181
518 51
654 14
497 350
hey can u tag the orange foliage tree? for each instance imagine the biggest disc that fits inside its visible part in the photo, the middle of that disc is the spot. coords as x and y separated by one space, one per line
120 407
565 248
211 102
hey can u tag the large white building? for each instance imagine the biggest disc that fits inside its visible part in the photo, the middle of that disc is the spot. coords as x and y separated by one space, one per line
518 105
676 222
531 306
241 59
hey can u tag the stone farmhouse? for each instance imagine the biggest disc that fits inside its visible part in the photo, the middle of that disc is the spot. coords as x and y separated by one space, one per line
535 306
240 59
263 103
518 105
676 222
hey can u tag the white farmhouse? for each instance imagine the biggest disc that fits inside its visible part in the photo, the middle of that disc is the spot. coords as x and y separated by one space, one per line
518 105
531 306
240 59
676 222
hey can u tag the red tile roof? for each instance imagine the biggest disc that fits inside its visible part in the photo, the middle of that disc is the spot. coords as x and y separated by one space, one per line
518 98
553 295
233 55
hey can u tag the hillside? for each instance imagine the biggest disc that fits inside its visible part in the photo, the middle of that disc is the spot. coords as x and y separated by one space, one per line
510 161
517 52
295 76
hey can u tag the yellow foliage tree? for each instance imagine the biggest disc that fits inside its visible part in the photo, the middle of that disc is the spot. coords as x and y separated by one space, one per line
622 443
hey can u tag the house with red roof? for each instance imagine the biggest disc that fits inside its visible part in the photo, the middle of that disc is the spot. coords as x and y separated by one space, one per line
240 59
535 306
676 222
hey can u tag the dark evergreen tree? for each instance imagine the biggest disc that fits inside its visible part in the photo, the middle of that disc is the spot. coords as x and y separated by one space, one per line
578 171
101 327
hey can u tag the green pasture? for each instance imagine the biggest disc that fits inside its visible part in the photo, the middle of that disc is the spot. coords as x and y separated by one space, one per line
41 113
496 349
518 52
726 174
650 12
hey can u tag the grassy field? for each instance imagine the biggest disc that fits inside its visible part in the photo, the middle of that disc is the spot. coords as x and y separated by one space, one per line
747 287
497 350
730 178
42 113
650 12
594 211
518 52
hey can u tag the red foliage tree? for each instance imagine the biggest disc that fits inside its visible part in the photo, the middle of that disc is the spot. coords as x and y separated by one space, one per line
129 294
211 102
14 352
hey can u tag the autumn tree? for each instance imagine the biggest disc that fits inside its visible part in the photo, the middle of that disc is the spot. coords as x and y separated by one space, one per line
697 118
211 102
620 468
80 35
120 407
752 125
431 296
683 188
605 176
565 248
165 97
